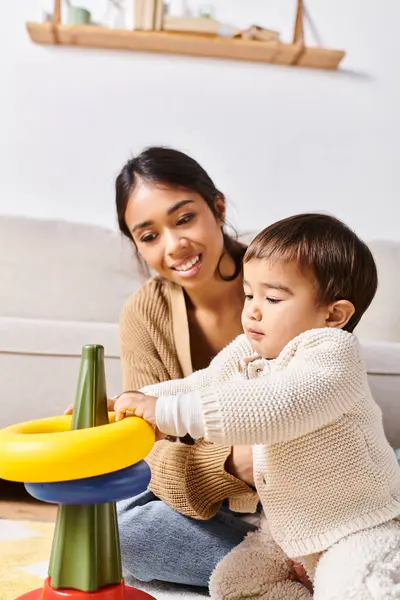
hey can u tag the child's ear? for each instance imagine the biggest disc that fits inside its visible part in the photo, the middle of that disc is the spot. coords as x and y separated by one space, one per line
340 313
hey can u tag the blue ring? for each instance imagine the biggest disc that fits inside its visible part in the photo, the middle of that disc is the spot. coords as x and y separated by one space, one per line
110 487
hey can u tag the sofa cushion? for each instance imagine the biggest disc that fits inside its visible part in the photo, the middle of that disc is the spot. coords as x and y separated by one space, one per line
382 319
55 338
58 270
35 386
40 361
382 360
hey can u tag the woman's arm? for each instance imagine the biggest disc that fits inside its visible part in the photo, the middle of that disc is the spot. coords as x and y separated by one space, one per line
141 364
194 481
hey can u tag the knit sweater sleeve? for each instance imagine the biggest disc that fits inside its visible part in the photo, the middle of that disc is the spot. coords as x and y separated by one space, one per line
197 380
222 368
320 383
319 380
193 479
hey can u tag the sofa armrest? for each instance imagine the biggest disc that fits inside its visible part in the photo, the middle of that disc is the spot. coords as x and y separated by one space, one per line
383 366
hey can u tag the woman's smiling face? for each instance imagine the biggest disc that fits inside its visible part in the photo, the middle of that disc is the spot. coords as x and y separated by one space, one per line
176 232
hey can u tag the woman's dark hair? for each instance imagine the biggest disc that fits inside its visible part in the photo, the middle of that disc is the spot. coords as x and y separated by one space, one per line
176 170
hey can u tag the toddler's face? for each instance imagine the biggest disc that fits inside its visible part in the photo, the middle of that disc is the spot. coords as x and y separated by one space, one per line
280 303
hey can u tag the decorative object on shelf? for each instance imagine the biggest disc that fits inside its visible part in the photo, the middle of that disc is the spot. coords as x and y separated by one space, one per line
46 17
77 15
220 45
255 32
206 10
115 15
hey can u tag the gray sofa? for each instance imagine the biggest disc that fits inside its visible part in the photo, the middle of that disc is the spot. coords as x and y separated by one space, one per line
63 285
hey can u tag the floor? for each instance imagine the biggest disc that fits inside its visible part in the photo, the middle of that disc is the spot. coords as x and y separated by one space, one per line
16 504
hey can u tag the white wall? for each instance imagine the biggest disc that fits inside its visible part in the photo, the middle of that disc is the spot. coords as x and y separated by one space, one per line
277 140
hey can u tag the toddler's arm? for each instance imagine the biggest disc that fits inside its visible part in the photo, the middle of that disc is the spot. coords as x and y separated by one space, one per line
222 368
323 378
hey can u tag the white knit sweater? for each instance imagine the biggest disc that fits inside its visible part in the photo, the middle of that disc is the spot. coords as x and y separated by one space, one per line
323 467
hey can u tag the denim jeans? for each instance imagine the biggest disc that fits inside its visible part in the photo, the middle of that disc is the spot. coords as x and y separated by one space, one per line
158 543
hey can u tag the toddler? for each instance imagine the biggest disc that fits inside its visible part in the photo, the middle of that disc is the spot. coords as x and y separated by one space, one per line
294 385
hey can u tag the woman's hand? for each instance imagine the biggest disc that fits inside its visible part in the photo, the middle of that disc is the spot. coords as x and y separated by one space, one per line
240 464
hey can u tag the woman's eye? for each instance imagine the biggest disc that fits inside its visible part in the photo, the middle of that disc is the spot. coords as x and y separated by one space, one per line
148 237
274 300
248 297
185 219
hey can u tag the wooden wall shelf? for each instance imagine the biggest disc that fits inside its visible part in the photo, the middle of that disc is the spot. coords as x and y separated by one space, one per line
91 36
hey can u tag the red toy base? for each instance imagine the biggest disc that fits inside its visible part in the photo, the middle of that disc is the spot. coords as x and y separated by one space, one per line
113 592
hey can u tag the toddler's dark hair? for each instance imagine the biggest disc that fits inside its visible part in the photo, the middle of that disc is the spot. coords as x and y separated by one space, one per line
341 264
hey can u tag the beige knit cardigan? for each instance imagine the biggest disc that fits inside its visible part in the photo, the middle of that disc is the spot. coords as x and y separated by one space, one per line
155 347
322 464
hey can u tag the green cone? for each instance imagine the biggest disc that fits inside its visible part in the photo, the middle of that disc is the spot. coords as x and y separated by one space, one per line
86 552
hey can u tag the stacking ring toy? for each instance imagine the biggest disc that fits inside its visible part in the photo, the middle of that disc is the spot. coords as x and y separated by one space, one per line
84 463
47 450
110 487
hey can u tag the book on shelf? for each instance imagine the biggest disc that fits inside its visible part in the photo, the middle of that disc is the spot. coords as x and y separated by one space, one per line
144 14
159 15
200 25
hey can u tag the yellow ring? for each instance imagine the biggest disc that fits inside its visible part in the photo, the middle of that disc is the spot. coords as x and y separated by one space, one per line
47 450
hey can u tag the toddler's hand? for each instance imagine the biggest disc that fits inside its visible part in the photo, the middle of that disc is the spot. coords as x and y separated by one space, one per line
137 403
